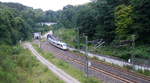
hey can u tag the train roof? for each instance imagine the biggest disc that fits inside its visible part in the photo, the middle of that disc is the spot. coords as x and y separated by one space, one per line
61 42
57 41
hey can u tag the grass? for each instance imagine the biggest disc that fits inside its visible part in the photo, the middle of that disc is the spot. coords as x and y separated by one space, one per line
18 65
42 74
125 52
67 35
141 51
67 67
145 72
39 73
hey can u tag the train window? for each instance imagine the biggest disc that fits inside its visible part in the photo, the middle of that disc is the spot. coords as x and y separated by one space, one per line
64 44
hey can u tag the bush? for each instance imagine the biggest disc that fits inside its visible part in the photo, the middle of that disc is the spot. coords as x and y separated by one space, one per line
146 72
7 67
90 80
14 61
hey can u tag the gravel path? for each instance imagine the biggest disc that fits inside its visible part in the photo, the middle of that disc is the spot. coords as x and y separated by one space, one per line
60 73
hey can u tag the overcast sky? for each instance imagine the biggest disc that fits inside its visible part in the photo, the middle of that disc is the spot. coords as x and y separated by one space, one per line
48 4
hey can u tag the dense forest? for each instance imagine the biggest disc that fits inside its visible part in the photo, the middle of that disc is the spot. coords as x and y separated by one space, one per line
114 21
108 19
111 20
122 24
18 22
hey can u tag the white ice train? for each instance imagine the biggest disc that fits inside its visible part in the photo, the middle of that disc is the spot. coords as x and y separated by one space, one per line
58 44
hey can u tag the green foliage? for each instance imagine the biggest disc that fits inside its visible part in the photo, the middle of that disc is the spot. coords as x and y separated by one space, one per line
146 72
124 20
67 35
86 22
125 53
105 26
12 27
8 71
19 66
110 20
17 22
142 21
104 19
50 16
66 67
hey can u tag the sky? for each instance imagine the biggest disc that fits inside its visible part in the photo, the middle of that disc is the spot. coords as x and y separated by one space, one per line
48 4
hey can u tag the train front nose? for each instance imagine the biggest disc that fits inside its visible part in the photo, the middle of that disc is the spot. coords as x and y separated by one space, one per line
65 47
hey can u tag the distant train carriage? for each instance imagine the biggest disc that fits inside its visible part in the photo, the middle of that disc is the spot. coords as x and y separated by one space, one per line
56 43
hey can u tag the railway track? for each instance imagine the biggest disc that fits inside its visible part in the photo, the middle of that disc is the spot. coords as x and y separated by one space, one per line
98 66
103 71
125 70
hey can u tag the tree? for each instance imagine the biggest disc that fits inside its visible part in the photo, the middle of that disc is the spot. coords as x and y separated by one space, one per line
142 19
68 16
13 27
86 21
124 20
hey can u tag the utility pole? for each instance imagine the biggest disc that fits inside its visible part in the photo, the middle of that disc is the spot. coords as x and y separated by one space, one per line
40 39
133 46
86 54
78 38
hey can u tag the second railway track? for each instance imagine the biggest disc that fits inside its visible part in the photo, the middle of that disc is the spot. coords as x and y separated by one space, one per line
98 66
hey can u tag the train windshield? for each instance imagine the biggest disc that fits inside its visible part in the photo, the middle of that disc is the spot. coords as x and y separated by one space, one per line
65 44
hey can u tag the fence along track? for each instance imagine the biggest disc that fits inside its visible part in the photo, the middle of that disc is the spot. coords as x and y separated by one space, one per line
125 70
124 79
98 70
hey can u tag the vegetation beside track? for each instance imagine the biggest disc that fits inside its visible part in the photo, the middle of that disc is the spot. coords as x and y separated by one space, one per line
146 72
67 35
139 52
119 23
18 65
125 53
67 67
